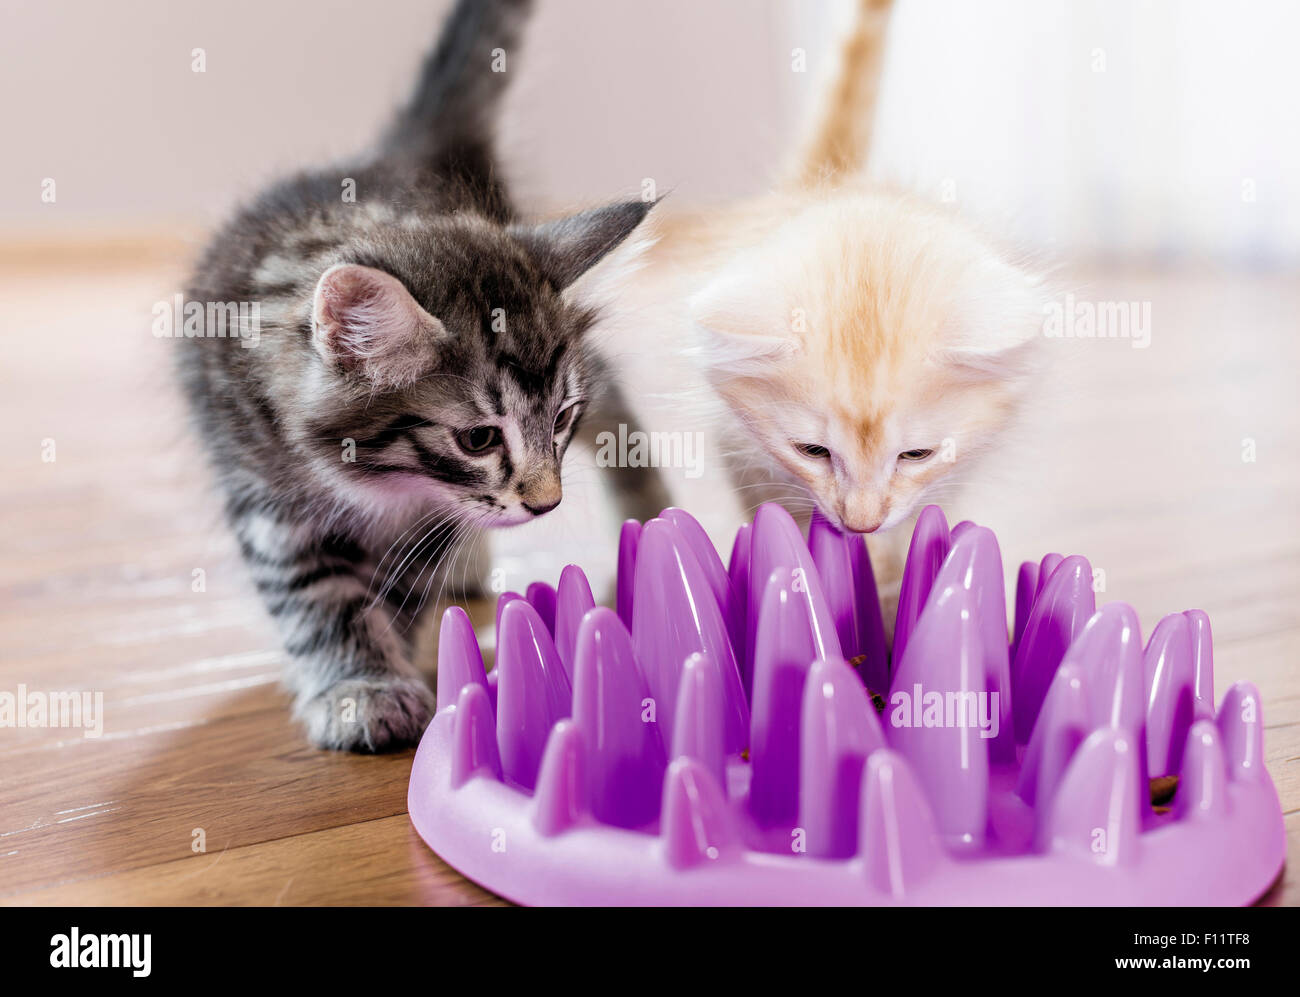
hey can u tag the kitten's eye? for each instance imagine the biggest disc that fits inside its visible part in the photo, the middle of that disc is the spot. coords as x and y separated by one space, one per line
915 455
566 419
813 451
479 439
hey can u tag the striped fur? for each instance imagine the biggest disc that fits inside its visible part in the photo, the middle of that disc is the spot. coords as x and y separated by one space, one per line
349 495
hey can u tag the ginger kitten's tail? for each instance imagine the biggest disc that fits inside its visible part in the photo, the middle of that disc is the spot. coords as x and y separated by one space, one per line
839 144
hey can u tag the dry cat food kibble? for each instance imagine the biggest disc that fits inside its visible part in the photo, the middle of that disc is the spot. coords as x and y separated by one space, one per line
1163 788
877 700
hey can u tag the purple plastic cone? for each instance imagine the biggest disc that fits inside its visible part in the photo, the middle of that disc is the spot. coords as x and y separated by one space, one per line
789 639
839 730
1026 588
1203 656
831 557
1063 723
1203 783
899 841
974 563
1169 673
776 545
542 598
939 711
675 615
696 826
533 691
738 563
473 737
503 600
1241 723
1063 606
738 620
1109 654
1095 811
698 717
715 572
1046 568
560 800
611 707
930 543
627 544
730 603
460 661
850 590
573 599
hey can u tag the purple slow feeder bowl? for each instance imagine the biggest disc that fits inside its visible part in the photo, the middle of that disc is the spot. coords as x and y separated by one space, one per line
708 743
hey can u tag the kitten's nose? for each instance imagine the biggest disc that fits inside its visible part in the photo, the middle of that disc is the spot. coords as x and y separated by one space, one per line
542 494
862 515
538 510
862 525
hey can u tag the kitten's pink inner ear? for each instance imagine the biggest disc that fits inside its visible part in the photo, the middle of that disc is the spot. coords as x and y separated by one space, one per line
365 321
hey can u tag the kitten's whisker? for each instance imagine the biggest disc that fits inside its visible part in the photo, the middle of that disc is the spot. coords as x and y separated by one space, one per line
447 517
391 547
464 541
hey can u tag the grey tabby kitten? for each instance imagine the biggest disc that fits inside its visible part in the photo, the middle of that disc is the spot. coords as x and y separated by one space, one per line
417 377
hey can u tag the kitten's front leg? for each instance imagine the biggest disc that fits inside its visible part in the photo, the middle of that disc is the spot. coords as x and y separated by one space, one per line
349 668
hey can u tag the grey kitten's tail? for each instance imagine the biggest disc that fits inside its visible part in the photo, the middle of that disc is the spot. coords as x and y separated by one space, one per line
839 144
447 125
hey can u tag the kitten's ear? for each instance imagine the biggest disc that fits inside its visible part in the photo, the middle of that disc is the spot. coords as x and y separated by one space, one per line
366 322
998 330
747 323
568 247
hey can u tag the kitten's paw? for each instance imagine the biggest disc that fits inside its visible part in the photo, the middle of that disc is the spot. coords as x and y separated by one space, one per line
368 715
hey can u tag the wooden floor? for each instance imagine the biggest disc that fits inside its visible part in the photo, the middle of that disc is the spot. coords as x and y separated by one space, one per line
1136 462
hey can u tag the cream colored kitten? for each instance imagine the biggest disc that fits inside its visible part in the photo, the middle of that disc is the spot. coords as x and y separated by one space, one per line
845 345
